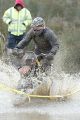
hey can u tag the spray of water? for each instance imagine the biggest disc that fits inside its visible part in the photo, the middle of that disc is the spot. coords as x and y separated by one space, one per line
62 84
8 75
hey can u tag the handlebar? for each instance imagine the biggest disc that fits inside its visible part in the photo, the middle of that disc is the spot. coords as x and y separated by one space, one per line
18 52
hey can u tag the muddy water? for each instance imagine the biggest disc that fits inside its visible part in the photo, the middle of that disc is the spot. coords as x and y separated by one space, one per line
39 109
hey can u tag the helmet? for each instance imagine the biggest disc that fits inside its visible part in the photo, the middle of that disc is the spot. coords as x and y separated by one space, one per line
37 21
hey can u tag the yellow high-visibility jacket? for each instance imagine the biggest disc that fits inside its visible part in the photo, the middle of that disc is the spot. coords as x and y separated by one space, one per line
16 20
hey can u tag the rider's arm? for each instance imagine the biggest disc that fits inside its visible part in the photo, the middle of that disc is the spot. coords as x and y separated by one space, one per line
25 41
53 40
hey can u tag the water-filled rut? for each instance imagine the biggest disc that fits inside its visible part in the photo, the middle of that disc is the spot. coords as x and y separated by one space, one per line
40 109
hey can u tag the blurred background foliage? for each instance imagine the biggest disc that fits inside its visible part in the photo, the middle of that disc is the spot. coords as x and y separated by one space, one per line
62 16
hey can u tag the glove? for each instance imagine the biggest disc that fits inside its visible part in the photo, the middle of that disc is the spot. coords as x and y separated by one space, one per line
49 56
41 56
15 51
18 52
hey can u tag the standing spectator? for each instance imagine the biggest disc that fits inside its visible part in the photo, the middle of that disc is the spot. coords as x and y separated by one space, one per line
18 18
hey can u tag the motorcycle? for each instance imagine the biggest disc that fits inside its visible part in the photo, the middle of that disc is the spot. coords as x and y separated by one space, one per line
33 78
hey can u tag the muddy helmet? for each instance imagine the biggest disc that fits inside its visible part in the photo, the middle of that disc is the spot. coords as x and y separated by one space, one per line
37 22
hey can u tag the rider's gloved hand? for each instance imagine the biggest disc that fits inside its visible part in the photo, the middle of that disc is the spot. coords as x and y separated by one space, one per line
41 56
49 56
15 51
18 52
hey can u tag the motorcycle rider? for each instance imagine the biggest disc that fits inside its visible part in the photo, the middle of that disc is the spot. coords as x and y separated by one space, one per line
46 44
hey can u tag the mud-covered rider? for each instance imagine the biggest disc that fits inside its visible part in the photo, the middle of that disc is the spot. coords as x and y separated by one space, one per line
46 44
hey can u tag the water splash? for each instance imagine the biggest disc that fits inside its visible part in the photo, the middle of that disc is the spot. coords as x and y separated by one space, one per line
8 74
62 83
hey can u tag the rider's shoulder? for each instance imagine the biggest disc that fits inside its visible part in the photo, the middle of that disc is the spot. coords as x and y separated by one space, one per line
48 31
